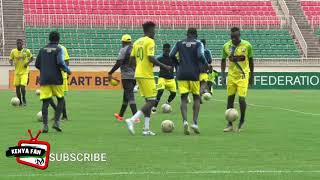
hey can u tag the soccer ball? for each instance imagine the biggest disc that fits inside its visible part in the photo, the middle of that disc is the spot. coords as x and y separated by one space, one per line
206 96
167 126
114 82
15 101
166 108
39 116
231 114
38 92
135 89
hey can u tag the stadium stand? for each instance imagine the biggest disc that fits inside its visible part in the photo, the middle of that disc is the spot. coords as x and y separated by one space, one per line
143 7
312 11
83 42
137 8
92 28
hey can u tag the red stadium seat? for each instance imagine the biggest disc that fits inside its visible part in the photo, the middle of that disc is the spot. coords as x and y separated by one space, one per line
192 8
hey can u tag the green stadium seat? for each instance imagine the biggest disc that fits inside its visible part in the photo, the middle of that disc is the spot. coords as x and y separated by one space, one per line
87 42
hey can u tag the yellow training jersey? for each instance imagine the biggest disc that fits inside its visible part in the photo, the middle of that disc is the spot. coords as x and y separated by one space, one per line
142 49
243 49
66 58
65 53
20 58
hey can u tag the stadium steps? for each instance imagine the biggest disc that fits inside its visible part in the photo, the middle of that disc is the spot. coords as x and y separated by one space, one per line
311 39
106 42
13 23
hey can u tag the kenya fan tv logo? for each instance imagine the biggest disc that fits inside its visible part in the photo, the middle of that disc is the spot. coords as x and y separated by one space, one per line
31 152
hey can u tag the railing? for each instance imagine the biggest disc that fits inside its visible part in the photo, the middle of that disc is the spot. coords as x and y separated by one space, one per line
298 35
2 41
284 8
168 21
108 61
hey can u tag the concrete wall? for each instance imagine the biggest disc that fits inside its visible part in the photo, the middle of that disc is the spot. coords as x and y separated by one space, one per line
4 71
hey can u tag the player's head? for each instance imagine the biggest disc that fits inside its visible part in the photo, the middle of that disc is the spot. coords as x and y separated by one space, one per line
235 35
166 49
203 42
192 33
126 39
149 29
54 36
19 44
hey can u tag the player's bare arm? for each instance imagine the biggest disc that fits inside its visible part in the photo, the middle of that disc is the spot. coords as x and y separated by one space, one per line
158 63
28 63
251 66
223 71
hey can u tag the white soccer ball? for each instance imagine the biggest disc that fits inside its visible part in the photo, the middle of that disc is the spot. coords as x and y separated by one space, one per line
39 116
231 114
38 92
136 89
166 108
167 126
15 101
206 96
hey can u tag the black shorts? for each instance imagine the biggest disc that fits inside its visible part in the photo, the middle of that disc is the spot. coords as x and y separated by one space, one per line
128 84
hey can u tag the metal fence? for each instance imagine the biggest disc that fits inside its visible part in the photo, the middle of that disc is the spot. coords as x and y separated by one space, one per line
298 35
272 62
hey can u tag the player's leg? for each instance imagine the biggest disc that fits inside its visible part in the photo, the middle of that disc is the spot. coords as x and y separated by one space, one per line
17 82
210 87
23 94
160 88
46 97
146 109
119 116
242 92
53 105
23 84
44 110
203 84
171 86
159 95
147 90
123 106
184 89
18 93
131 99
64 110
243 107
231 91
58 91
195 89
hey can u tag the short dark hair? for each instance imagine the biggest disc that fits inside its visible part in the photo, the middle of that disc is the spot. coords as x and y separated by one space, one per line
54 36
192 31
235 29
19 40
148 25
203 41
166 45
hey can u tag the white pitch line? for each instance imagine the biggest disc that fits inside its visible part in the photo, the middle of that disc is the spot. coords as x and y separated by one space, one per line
278 108
166 173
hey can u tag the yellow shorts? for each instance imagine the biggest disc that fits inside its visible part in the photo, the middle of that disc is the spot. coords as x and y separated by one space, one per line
169 84
147 88
65 85
239 86
189 87
203 77
48 91
21 79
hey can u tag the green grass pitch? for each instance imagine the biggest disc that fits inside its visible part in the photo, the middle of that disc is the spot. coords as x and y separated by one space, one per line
280 141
